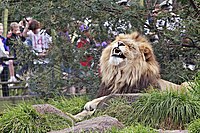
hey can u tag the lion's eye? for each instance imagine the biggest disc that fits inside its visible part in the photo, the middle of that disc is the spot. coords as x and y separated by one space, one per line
133 48
120 44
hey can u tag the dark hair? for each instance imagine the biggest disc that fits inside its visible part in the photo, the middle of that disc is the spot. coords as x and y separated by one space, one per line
48 31
165 7
34 24
123 3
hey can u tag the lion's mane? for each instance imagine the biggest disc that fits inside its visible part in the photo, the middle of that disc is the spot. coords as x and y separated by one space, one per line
136 73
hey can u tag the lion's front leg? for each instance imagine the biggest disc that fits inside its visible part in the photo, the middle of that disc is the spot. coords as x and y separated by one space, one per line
89 108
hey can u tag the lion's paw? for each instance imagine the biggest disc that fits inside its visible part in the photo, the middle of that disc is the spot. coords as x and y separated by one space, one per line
90 106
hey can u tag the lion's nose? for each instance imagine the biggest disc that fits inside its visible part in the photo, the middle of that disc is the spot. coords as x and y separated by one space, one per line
117 50
120 44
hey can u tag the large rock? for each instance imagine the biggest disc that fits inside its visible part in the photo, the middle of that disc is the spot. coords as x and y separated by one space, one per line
98 124
48 108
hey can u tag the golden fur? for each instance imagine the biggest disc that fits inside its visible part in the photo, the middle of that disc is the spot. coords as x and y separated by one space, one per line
137 71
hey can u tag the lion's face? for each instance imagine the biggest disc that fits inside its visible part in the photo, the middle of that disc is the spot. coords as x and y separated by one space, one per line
128 49
122 51
128 65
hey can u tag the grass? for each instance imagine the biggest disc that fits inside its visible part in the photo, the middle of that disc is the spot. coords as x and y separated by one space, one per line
118 108
71 105
4 104
194 126
136 128
165 110
22 118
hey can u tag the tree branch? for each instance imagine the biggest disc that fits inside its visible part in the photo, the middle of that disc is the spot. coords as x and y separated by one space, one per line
194 6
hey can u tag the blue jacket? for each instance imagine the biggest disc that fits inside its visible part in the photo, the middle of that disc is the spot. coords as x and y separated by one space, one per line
3 39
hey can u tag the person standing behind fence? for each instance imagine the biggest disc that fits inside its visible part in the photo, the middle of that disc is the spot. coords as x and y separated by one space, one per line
159 23
118 25
3 66
22 25
149 27
85 43
32 30
13 39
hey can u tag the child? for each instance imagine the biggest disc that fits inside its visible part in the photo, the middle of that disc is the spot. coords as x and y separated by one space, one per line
12 40
32 30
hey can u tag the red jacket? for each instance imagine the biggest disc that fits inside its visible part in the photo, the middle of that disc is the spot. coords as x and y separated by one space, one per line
87 61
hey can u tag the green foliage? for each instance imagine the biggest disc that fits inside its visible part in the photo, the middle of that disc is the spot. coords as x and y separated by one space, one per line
195 85
138 128
24 118
194 126
56 122
119 109
166 110
71 105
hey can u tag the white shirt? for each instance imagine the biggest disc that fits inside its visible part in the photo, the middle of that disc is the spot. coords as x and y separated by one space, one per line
116 28
3 52
40 41
47 39
171 23
37 41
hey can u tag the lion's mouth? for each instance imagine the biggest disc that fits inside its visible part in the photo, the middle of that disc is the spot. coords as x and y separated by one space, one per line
116 52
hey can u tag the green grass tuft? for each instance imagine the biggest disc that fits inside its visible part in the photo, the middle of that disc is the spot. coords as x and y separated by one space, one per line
194 126
167 110
71 105
118 108
24 118
136 128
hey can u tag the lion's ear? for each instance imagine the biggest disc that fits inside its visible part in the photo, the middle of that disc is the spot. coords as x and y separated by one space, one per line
138 37
147 52
135 35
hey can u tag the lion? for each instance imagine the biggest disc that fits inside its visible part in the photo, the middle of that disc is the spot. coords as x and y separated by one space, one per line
128 65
